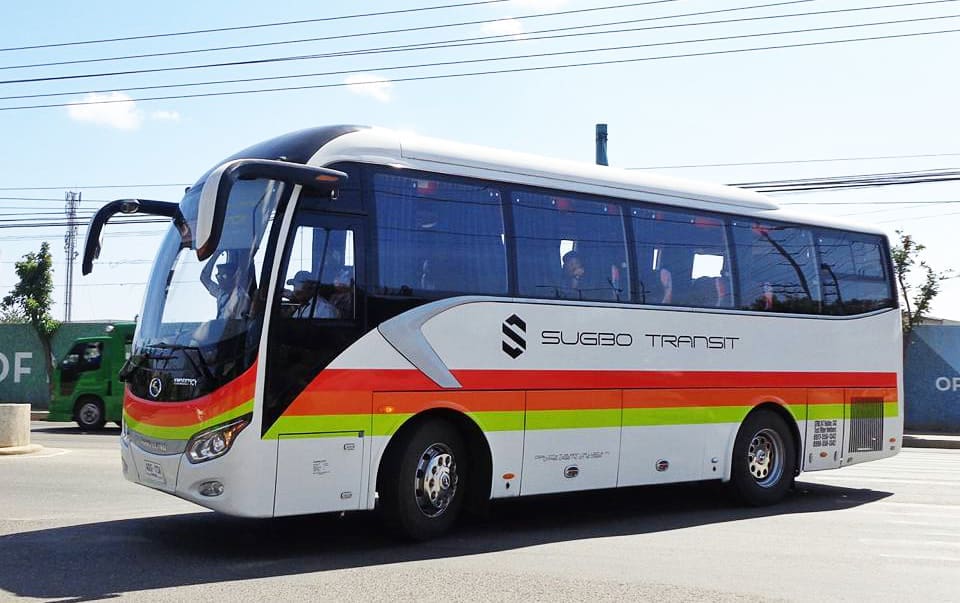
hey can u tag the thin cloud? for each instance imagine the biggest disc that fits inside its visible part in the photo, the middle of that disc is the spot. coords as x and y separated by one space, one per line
504 27
165 116
122 113
368 84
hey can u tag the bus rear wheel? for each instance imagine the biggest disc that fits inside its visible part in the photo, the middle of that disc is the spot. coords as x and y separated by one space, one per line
424 481
90 413
764 459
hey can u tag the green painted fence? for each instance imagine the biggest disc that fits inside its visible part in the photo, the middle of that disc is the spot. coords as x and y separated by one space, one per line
23 374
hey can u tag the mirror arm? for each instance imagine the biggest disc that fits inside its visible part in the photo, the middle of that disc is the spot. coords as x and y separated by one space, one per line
210 227
92 249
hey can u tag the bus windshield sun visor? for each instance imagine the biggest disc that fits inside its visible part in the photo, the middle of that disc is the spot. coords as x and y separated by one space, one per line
216 191
168 209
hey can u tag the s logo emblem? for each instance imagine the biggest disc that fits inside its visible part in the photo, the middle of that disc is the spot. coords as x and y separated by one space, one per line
514 340
156 386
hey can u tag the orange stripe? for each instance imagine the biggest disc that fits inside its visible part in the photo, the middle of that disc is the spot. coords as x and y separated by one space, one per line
336 402
464 401
583 399
659 398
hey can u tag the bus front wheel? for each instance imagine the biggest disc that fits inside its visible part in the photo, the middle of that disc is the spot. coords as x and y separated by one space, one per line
764 459
423 485
90 413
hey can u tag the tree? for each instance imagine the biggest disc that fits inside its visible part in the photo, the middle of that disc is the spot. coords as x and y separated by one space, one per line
917 299
32 298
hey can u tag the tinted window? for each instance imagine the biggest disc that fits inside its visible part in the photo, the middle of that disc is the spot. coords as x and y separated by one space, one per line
682 259
320 275
570 248
853 272
439 235
776 268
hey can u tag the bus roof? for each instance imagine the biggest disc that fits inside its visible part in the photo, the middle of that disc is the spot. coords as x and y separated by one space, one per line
412 151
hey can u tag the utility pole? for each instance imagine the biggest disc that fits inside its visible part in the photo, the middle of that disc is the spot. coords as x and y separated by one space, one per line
70 247
602 144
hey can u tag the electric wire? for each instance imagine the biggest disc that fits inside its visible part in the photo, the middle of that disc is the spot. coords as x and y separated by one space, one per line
517 69
483 40
286 59
255 26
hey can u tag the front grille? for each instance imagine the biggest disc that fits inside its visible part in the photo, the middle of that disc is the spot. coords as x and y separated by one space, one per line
866 425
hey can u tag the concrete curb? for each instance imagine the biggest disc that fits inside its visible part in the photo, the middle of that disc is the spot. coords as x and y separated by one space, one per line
931 441
39 415
28 449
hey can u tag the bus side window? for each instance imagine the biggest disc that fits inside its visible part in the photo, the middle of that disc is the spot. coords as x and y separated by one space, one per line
777 268
443 235
686 254
570 248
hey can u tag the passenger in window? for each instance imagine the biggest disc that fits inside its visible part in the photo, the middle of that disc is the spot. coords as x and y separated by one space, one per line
666 284
573 270
306 300
233 300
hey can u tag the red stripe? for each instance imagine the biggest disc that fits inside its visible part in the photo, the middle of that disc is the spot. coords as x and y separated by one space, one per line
414 380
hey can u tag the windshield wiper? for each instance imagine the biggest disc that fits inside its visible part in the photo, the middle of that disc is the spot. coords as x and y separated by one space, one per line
202 367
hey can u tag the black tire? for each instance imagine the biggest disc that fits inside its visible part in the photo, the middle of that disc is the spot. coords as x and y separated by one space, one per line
90 413
764 459
423 484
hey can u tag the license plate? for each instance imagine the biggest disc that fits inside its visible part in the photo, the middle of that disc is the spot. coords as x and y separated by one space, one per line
153 470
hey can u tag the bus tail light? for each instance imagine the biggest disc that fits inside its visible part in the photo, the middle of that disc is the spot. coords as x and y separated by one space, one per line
216 442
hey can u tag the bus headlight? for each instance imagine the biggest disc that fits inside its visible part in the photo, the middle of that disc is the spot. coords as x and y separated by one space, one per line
216 442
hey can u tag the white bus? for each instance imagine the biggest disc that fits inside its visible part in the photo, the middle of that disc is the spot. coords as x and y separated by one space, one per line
349 318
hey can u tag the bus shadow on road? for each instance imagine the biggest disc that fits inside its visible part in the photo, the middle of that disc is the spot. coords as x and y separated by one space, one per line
107 559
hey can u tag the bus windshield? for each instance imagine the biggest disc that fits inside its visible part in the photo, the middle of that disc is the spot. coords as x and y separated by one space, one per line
202 318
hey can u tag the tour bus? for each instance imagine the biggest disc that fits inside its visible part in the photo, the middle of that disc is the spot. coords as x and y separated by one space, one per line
85 384
349 318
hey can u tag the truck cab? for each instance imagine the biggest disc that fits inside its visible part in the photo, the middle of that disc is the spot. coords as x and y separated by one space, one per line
87 388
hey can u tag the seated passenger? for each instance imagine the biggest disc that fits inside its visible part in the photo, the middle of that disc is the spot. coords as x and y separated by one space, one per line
573 272
306 299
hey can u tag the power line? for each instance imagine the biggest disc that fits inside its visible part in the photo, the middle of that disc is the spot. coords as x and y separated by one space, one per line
253 61
318 56
256 26
527 69
476 41
412 29
55 188
789 161
851 182
481 39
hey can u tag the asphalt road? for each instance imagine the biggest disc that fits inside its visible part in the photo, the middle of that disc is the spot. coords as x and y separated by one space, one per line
72 529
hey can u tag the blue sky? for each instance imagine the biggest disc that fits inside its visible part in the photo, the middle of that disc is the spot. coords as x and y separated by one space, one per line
889 97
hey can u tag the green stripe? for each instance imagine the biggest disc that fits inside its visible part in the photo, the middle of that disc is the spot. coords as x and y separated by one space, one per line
571 419
891 409
498 421
316 424
312 436
186 432
819 412
684 415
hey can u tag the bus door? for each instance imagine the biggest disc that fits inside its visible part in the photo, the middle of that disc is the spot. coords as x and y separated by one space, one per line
317 312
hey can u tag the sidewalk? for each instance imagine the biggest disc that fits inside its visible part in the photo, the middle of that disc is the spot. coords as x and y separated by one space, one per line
931 440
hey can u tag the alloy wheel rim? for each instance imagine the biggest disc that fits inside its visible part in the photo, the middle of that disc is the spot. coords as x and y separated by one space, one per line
435 481
765 460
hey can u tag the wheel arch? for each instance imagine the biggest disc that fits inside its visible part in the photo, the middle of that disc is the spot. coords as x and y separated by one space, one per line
478 449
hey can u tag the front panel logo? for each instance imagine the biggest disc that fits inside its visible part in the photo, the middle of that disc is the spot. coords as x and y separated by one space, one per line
156 386
514 336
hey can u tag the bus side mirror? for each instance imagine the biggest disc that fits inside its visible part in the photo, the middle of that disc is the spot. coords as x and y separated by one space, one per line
216 191
91 249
